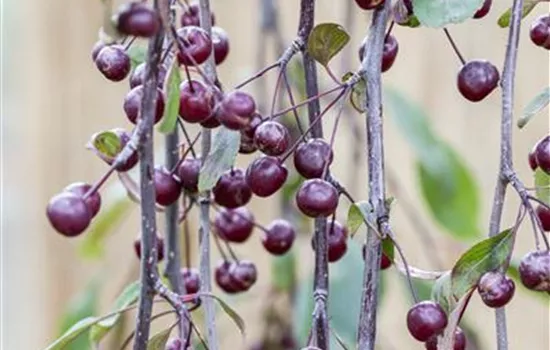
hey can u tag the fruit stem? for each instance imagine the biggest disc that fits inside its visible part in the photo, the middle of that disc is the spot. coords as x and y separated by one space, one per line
309 100
257 75
392 24
375 156
187 138
292 102
97 185
183 156
455 47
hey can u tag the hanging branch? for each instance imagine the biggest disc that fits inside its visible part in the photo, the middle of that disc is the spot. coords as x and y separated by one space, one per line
375 149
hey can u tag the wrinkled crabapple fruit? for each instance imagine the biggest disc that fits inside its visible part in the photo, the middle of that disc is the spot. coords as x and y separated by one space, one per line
483 10
196 102
137 19
317 197
190 17
196 45
231 190
132 104
544 216
160 247
495 289
234 225
460 341
113 62
223 279
190 279
477 79
279 237
236 110
542 154
220 40
311 157
137 77
188 172
272 138
243 274
247 145
426 319
534 270
369 4
265 176
167 186
540 31
80 189
68 214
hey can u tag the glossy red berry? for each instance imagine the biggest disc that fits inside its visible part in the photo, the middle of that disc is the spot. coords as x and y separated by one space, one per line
231 190
279 237
167 186
544 216
310 158
138 19
425 320
138 76
369 4
533 160
68 214
234 225
196 102
247 145
196 45
540 31
272 138
243 274
542 154
495 289
188 172
265 176
93 201
337 241
484 9
317 197
132 104
391 48
159 246
236 110
534 270
113 62
191 280
477 79
223 277
460 341
190 17
220 40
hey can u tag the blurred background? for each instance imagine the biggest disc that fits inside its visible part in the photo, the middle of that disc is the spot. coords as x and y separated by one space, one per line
55 99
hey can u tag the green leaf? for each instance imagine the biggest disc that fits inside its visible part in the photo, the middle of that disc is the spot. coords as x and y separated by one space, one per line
485 256
159 340
442 292
528 6
172 92
107 143
388 248
536 105
358 213
283 272
325 41
129 296
82 306
358 96
137 54
222 157
542 184
439 13
235 317
72 333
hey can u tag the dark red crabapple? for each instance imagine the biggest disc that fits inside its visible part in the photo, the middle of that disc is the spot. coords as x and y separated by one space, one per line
279 237
532 160
80 189
174 344
96 48
68 214
236 110
191 280
265 176
337 240
540 31
317 197
220 40
137 19
190 17
460 341
495 289
534 270
132 104
196 101
484 9
272 138
211 123
243 274
138 75
160 247
167 186
113 62
311 157
389 53
426 319
369 4
196 45
542 154
234 225
231 190
544 216
223 278
247 145
477 79
188 172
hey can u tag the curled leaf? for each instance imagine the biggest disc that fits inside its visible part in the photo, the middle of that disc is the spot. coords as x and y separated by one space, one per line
535 106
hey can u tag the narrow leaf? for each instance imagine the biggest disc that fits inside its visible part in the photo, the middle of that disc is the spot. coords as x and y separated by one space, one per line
325 41
107 143
159 340
222 156
239 322
358 213
172 93
485 256
439 13
542 185
528 6
72 333
536 105
388 248
358 96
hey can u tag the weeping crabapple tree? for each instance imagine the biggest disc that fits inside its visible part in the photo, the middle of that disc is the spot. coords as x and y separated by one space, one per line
175 85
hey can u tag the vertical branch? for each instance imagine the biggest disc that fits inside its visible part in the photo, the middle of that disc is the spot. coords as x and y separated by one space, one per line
506 166
375 152
204 198
320 285
148 267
